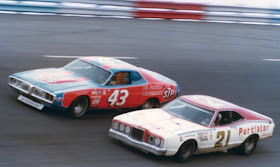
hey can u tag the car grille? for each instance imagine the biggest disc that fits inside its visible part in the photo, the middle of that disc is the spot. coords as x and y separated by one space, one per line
137 134
31 90
42 95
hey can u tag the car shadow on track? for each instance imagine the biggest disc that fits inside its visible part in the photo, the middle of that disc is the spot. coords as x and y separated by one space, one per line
91 114
207 157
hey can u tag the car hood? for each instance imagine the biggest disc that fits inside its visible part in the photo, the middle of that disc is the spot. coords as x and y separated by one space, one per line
55 80
159 122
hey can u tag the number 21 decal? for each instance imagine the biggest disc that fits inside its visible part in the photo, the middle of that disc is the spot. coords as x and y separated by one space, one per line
114 97
221 136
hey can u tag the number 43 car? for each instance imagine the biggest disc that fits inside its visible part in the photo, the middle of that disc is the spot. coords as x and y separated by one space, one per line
93 82
192 124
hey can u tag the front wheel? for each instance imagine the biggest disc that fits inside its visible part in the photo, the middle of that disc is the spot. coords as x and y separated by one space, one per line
79 107
185 151
249 145
150 103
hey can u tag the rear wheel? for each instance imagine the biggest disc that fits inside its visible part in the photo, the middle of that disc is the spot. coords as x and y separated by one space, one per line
79 107
185 151
249 145
150 103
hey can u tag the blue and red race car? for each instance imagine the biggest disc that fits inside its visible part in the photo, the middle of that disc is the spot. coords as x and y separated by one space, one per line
93 82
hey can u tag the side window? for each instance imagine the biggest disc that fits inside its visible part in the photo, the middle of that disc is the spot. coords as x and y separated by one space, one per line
223 118
120 78
236 116
135 76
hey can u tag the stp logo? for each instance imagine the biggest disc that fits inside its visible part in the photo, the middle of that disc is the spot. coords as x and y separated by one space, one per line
168 92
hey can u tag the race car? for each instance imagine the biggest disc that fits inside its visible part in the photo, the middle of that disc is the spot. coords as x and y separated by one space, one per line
192 124
93 82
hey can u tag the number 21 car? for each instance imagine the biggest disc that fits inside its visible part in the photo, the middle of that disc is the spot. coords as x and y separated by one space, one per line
192 124
93 82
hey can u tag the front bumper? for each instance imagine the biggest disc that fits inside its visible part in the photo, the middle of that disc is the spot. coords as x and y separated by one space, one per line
135 143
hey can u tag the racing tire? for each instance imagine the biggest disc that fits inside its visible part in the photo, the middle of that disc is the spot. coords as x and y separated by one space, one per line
149 104
185 151
79 107
248 146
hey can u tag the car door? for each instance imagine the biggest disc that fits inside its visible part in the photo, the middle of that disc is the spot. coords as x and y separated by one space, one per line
223 135
122 90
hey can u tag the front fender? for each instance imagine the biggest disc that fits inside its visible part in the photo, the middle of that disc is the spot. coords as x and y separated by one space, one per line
68 97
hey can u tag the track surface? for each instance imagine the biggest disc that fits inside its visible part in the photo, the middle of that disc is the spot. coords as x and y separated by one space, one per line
222 60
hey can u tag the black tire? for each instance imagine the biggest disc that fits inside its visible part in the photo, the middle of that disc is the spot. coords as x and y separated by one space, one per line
185 151
149 104
79 107
248 146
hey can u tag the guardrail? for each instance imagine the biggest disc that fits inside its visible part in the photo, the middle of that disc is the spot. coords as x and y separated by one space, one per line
147 9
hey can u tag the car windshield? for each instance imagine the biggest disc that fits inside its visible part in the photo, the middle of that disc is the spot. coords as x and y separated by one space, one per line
88 70
190 112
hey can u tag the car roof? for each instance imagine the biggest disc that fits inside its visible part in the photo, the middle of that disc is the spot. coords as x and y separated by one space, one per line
213 103
209 102
109 63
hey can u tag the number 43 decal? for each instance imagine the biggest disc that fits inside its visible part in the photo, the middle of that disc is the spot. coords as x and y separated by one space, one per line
114 97
221 136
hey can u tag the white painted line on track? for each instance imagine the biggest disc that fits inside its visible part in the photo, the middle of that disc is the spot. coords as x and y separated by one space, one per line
34 13
271 59
7 12
75 57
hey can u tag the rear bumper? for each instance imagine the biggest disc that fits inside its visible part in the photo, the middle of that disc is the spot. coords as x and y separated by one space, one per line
137 144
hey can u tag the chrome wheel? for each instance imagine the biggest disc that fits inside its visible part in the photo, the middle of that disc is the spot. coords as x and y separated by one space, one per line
79 107
249 145
185 151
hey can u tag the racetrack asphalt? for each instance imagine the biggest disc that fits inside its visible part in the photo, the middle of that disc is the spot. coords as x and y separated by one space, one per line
221 60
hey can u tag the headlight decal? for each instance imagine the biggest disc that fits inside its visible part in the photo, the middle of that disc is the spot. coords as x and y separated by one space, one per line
157 141
127 129
154 139
122 127
116 125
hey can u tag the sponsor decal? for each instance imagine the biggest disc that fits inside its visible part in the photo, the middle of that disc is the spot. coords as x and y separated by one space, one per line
152 93
210 136
190 135
145 88
168 92
98 92
94 92
203 136
152 88
181 138
95 99
155 93
156 87
145 94
59 99
253 129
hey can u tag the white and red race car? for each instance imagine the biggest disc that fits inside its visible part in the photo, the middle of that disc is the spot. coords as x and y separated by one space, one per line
192 124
